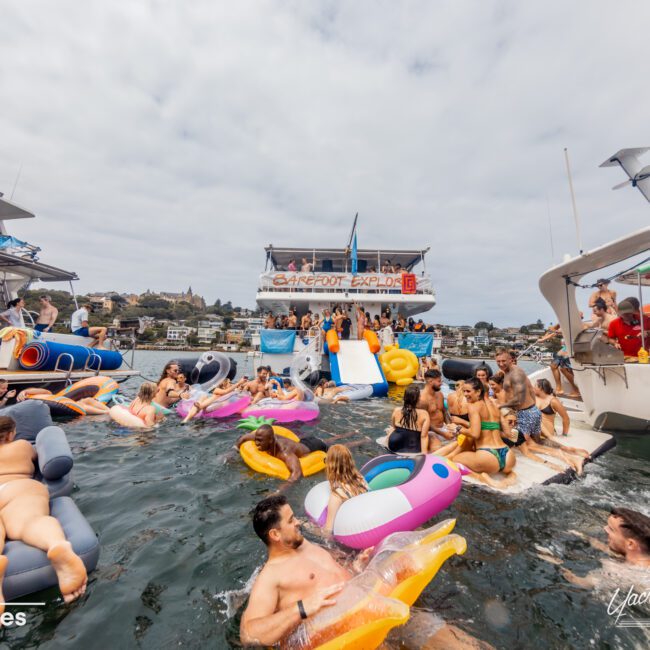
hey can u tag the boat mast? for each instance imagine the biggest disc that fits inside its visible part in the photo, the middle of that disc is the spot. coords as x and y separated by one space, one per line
573 199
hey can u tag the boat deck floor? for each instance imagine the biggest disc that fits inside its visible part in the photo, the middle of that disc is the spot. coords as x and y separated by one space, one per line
54 376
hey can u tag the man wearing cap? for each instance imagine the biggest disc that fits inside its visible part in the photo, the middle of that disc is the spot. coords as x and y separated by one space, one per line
625 331
606 294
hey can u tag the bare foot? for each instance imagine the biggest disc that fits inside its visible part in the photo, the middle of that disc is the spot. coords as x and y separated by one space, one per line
70 571
3 568
579 466
505 482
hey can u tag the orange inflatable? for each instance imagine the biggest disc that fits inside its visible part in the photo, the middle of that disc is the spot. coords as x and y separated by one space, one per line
332 340
372 340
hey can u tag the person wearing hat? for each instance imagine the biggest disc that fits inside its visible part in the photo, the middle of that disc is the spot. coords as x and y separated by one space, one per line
605 294
625 331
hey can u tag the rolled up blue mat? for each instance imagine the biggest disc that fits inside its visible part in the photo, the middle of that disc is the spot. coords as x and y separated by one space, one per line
43 356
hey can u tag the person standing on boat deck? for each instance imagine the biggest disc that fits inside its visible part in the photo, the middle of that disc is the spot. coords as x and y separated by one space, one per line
561 364
269 322
292 266
47 316
606 294
306 267
384 320
14 313
346 326
625 331
601 317
305 322
79 326
387 267
361 322
520 397
292 321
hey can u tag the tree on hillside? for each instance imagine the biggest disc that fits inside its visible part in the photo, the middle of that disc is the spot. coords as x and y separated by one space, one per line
484 325
523 329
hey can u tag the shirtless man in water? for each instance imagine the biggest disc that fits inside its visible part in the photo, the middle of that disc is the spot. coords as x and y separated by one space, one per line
299 579
169 390
432 400
288 451
258 387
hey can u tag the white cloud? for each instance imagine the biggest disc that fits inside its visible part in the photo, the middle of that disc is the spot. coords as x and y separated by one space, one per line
164 144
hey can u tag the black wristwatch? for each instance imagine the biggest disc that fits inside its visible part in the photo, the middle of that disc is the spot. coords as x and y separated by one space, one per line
301 609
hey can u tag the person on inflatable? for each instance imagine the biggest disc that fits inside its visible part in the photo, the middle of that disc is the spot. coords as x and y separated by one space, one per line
300 578
142 406
25 514
223 388
91 405
287 392
168 390
328 390
288 451
345 481
258 387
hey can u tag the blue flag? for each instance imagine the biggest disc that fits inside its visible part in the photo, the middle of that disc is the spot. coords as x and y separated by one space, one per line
354 254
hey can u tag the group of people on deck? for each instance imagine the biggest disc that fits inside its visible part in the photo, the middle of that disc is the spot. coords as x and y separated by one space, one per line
485 421
47 317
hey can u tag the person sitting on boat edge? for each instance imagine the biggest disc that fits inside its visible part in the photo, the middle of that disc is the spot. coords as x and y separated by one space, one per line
13 315
300 578
601 317
604 293
47 315
79 326
625 331
25 514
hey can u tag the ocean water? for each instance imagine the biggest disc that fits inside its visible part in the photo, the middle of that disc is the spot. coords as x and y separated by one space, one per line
171 507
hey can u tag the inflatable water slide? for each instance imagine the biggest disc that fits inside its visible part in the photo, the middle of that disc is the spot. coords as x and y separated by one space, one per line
355 364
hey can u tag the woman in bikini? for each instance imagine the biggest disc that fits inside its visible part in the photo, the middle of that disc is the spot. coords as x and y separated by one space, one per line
25 514
458 410
168 392
491 455
344 479
550 406
410 432
223 388
142 406
496 388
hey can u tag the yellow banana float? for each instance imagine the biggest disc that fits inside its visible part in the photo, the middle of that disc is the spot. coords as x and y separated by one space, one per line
377 600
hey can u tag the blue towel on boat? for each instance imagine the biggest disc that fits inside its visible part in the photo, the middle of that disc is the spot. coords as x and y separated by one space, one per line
421 344
277 341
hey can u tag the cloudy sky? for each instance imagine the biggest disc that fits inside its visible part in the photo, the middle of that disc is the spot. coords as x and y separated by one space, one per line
164 144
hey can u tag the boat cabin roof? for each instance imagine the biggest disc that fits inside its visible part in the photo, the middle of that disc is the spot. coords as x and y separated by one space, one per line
18 266
9 210
335 259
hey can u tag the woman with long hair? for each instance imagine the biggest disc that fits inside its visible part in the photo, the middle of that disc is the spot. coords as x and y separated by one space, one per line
551 406
492 455
410 432
496 387
361 322
457 403
344 479
168 391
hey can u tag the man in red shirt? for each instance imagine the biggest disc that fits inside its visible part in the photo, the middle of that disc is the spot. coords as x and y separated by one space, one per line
625 331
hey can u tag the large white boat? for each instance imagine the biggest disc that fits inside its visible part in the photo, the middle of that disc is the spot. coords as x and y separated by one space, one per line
345 278
19 268
614 389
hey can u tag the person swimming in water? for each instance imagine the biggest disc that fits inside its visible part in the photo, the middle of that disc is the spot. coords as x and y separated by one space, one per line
168 391
300 578
25 514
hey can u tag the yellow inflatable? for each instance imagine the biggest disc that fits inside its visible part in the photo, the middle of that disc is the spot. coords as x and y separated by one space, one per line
264 463
377 600
399 366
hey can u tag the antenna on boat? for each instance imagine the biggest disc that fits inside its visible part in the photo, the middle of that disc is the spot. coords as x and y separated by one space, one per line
550 230
20 169
573 199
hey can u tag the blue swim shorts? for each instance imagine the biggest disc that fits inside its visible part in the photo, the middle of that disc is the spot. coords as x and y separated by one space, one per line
40 327
529 421
82 331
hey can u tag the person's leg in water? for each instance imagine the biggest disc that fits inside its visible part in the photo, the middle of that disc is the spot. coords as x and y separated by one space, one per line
25 515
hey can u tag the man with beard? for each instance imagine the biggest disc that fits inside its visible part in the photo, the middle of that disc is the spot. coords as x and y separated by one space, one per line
258 387
433 401
300 578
